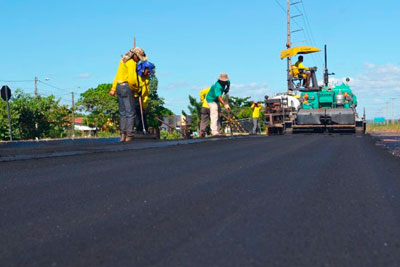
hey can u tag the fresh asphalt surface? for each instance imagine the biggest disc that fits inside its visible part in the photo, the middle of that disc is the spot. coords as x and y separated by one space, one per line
303 200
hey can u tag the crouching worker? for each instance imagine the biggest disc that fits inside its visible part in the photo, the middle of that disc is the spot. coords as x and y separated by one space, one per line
214 97
125 82
144 70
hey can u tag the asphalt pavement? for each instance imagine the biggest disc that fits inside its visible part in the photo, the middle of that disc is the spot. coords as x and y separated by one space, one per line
302 200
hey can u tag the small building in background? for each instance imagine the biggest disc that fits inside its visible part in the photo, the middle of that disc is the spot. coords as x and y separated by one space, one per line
83 130
177 121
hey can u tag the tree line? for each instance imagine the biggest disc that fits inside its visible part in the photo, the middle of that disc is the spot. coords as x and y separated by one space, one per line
45 117
39 117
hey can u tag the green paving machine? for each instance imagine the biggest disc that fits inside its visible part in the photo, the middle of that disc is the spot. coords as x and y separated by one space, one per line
325 108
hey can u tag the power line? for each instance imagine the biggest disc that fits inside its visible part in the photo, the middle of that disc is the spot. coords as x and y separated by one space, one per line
283 9
293 17
307 21
45 83
305 26
305 32
16 81
55 87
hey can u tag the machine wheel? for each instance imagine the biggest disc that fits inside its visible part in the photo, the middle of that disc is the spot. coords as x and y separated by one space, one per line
289 130
360 130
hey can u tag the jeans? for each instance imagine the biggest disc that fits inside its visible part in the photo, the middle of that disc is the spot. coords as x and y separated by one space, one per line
126 109
205 117
256 126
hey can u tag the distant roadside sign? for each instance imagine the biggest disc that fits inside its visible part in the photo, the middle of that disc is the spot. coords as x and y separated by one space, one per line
5 92
6 95
379 120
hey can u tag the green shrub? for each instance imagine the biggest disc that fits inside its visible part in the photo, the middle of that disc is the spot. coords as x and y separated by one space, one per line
164 135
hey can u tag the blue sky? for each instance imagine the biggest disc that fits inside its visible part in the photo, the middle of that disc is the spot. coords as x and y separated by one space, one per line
77 44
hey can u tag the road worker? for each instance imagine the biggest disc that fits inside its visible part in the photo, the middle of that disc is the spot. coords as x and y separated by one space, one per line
205 113
125 82
303 71
214 97
144 70
255 109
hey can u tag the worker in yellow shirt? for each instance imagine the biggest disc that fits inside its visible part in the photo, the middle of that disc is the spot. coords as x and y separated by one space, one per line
144 71
205 113
255 109
304 72
125 82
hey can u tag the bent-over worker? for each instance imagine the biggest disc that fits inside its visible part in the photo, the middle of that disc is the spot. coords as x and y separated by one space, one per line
125 82
144 71
214 97
205 113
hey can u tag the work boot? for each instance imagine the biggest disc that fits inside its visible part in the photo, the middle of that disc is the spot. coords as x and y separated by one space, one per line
123 138
128 138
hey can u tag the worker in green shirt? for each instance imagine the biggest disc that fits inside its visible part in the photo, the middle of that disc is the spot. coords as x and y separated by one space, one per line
205 113
214 97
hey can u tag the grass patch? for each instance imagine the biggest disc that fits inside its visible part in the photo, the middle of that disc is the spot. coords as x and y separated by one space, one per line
105 134
391 127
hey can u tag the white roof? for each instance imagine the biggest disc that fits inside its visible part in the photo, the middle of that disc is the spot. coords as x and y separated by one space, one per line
84 128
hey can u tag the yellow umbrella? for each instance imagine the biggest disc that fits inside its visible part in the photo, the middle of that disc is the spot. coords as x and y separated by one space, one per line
291 52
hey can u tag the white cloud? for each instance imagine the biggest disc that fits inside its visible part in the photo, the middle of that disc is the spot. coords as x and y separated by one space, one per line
378 79
163 74
176 84
375 79
378 100
256 90
198 88
369 65
84 76
334 81
375 86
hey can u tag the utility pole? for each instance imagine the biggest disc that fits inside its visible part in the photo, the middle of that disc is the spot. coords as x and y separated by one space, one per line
7 98
36 89
288 45
392 110
36 94
73 115
386 112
